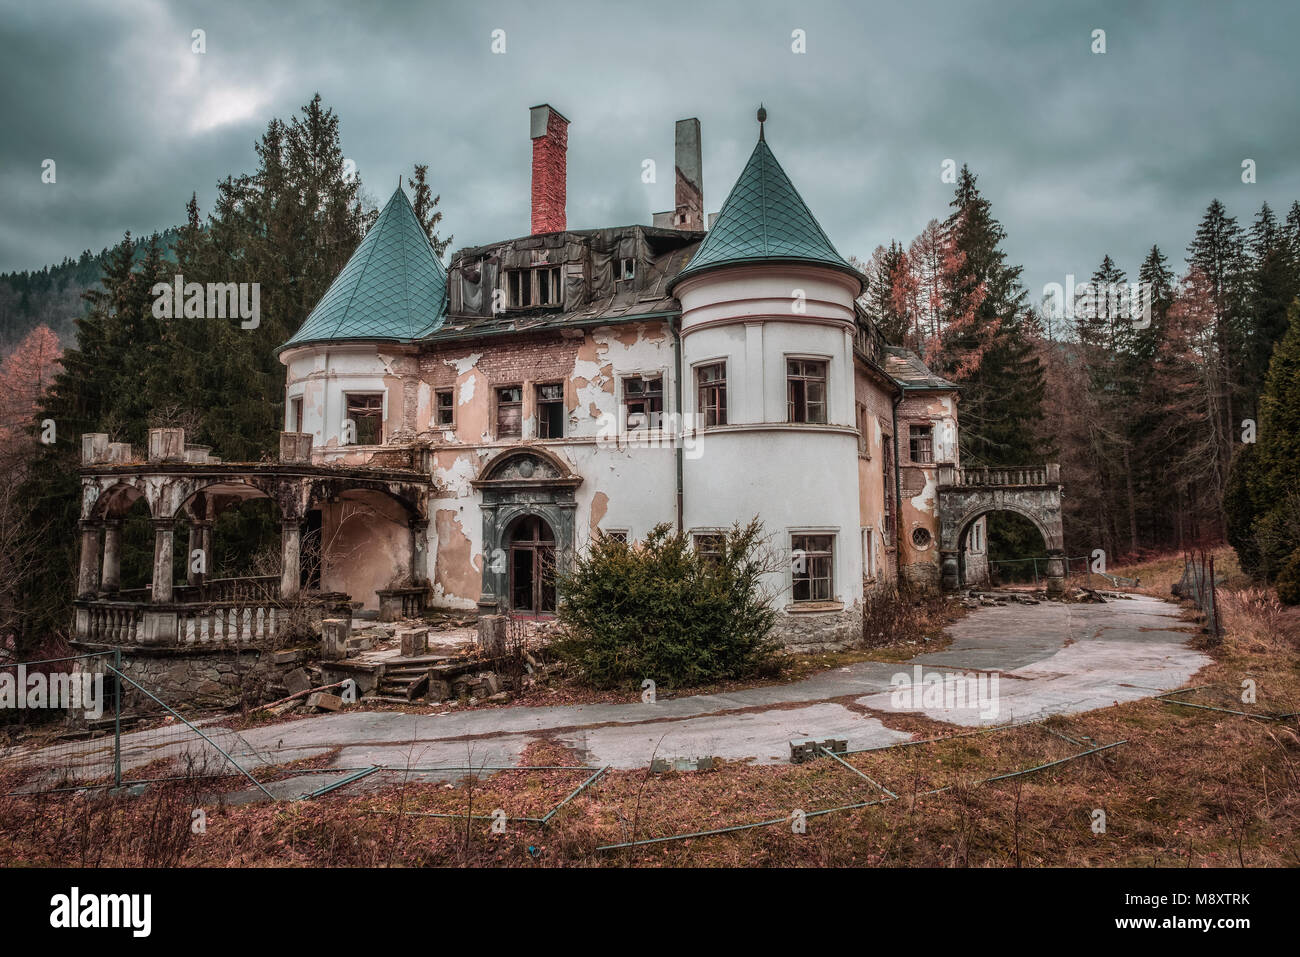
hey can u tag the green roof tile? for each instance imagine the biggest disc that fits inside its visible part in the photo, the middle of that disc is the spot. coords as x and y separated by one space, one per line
393 288
764 220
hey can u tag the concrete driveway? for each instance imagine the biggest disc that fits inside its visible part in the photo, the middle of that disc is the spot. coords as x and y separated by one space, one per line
1012 663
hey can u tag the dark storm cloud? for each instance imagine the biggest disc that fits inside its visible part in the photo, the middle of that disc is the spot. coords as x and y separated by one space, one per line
1081 154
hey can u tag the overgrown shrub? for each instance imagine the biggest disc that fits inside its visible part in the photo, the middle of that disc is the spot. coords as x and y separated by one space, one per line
660 609
1288 580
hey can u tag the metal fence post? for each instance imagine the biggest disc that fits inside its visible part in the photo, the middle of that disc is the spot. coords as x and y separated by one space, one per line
117 718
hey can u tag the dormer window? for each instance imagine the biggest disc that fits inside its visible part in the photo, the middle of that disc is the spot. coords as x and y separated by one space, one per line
624 269
538 286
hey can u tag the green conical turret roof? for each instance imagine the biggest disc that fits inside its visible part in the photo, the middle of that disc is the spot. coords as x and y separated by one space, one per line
764 220
394 288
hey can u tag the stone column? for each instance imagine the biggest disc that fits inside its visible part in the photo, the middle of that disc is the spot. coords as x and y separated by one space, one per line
194 544
88 572
205 543
112 578
200 539
419 549
162 559
949 569
290 565
1055 571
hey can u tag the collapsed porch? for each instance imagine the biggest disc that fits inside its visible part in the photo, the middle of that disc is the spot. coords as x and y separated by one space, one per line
356 511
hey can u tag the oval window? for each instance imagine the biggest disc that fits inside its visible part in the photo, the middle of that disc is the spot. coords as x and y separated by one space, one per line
921 537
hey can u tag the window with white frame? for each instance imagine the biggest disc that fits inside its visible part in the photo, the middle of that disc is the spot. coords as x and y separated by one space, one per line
806 390
812 567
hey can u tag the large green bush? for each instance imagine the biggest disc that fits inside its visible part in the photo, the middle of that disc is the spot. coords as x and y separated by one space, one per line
660 609
1288 580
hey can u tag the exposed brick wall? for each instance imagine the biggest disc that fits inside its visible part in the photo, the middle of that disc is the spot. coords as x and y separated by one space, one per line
542 358
550 175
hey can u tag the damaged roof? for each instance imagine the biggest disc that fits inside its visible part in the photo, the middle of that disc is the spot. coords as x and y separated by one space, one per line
587 260
906 368
393 288
764 220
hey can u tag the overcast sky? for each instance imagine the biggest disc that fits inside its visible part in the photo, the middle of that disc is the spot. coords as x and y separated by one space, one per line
1081 153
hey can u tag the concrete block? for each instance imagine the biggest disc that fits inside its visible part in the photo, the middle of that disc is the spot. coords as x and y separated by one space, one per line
295 447
334 638
325 701
94 448
492 634
297 681
415 642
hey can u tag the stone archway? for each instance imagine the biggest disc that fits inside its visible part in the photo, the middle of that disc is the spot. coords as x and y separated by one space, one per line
518 484
966 495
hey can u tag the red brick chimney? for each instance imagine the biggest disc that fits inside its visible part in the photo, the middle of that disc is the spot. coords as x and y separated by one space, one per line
550 133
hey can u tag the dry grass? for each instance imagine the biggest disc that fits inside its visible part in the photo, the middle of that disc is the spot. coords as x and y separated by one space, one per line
1190 788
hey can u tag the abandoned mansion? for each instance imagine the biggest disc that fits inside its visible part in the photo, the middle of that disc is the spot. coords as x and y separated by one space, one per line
454 433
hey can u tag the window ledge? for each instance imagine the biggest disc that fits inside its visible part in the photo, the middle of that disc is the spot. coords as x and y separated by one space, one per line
813 607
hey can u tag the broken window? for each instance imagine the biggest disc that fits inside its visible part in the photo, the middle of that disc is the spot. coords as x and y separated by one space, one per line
921 439
510 412
550 411
549 291
538 286
806 390
366 413
624 269
709 545
521 288
295 414
445 408
812 562
643 401
711 382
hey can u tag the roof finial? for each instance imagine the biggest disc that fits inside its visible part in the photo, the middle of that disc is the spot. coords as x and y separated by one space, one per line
762 118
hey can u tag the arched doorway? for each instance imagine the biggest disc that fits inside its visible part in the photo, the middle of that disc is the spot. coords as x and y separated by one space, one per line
965 495
532 565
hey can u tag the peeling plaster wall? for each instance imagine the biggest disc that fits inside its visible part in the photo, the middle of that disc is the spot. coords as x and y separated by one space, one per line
625 486
322 377
919 507
877 423
366 545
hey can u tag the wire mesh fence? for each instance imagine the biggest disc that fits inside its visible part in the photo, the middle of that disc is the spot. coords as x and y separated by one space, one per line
1199 585
68 725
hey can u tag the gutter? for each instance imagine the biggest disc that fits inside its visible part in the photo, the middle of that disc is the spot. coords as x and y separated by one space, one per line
674 324
898 485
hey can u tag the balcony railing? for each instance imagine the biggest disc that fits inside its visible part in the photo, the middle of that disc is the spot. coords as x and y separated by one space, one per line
242 617
950 476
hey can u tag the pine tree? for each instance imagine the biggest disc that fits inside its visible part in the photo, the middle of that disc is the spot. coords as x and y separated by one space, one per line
985 345
1273 285
1275 487
426 209
1218 253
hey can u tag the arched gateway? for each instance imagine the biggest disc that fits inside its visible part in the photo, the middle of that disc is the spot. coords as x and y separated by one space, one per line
967 494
